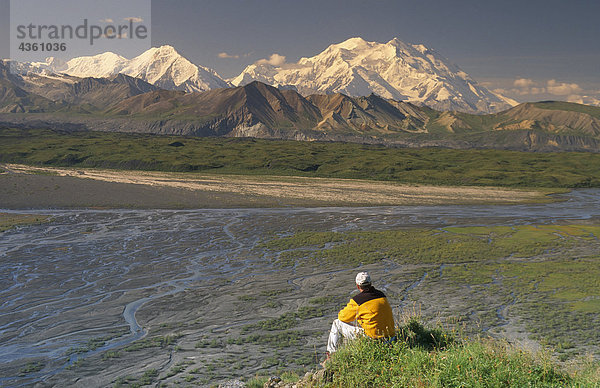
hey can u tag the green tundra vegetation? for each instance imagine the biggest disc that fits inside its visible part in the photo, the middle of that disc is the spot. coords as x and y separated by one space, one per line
428 246
424 357
549 275
12 220
434 166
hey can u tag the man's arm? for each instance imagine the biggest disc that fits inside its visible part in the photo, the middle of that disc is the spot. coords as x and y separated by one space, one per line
348 313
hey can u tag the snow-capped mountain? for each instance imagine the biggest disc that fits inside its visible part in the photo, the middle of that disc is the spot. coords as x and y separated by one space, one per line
393 70
161 66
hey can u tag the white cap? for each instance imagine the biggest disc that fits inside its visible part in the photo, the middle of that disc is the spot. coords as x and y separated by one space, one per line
363 278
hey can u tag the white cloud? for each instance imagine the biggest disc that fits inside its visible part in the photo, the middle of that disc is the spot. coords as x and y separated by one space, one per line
587 100
537 90
274 60
525 86
523 83
225 55
526 89
562 88
107 20
134 19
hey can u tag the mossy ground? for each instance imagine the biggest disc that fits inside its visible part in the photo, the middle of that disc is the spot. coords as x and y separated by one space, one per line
428 246
12 220
293 158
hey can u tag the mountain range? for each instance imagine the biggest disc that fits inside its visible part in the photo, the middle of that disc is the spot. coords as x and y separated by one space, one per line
122 103
355 67
162 67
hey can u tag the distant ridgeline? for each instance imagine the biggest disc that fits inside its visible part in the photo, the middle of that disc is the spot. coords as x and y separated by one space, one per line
121 103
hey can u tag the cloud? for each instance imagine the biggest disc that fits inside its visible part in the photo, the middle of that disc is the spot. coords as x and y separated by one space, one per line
525 86
575 98
274 60
562 88
588 100
107 20
134 19
225 55
523 83
526 89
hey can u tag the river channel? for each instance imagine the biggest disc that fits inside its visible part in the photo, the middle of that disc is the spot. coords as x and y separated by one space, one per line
88 273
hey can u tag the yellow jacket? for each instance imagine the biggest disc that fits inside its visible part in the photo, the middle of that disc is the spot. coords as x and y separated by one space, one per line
373 313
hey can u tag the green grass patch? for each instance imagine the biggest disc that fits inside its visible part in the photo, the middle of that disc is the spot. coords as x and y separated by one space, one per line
147 378
557 300
288 320
294 158
154 342
284 339
463 363
92 344
31 367
10 220
424 246
593 111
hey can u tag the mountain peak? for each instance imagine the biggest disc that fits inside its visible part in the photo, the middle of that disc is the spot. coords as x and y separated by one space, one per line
167 48
353 43
161 66
164 50
393 70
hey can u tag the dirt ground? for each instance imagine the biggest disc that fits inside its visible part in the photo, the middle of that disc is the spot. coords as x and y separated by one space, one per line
25 187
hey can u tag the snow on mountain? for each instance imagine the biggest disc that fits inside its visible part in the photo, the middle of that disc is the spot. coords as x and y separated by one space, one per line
98 66
161 66
393 70
49 67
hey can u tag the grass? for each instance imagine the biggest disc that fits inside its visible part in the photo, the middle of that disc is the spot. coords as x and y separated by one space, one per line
31 367
294 158
154 342
424 357
148 377
593 111
290 319
423 246
9 220
259 381
557 300
93 344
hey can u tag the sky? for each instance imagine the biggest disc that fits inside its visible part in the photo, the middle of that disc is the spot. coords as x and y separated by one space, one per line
527 49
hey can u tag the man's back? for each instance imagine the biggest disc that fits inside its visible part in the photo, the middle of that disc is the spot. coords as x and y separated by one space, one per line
372 311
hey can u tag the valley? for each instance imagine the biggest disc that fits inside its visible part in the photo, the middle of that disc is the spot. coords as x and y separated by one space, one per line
128 288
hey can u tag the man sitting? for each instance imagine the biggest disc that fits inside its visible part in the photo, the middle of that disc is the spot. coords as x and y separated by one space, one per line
367 312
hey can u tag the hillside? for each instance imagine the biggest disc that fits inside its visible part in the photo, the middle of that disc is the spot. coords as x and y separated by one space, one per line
435 357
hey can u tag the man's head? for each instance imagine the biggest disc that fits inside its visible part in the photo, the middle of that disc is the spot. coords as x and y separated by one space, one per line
363 280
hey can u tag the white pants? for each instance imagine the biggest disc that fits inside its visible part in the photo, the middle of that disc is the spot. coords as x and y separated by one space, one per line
341 330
